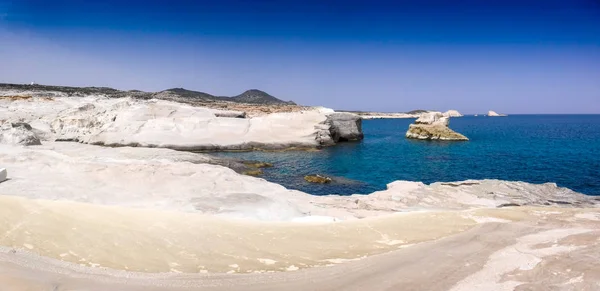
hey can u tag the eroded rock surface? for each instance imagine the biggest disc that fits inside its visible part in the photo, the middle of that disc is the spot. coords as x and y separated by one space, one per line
345 126
19 133
165 124
433 126
453 113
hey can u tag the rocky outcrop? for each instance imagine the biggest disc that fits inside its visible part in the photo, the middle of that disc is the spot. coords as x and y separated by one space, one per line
254 168
318 179
230 113
475 194
19 133
494 114
345 126
453 113
433 126
158 123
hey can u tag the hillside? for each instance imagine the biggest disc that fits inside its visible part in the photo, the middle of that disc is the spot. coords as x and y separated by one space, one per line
258 97
178 94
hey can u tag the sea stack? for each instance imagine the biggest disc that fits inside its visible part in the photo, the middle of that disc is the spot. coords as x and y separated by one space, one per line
494 114
345 126
433 126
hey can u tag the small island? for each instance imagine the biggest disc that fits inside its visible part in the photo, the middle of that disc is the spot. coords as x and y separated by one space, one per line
494 114
433 126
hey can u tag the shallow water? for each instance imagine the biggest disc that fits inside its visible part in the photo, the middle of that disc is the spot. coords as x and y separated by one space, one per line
564 149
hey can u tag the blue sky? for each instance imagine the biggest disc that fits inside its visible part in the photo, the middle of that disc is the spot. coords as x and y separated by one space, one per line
509 56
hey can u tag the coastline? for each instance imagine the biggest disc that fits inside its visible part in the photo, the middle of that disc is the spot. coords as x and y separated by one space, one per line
170 213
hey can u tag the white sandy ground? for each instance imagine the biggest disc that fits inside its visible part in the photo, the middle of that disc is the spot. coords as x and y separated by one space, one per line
524 254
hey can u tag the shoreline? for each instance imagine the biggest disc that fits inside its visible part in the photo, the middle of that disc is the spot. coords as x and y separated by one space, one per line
97 216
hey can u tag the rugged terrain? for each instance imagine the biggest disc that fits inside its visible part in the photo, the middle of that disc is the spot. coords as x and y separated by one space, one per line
139 215
130 121
434 126
251 101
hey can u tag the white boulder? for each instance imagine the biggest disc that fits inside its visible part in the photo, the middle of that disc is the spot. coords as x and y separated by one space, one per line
18 134
345 126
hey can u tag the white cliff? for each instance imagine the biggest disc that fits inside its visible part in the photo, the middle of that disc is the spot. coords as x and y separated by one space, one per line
158 123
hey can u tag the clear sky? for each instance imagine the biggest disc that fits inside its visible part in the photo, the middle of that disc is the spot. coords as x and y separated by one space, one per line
509 56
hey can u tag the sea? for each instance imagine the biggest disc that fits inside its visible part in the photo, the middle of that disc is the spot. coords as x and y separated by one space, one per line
563 149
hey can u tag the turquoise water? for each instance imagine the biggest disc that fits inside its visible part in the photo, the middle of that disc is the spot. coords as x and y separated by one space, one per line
564 149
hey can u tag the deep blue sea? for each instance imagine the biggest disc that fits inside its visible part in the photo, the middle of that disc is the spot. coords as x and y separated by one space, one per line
564 149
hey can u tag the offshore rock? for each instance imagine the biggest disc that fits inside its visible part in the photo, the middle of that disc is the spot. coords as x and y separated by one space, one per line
494 114
345 126
317 179
433 126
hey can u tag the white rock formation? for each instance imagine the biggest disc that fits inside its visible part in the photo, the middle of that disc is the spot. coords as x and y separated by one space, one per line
164 179
18 134
453 113
433 118
345 126
433 126
157 123
494 114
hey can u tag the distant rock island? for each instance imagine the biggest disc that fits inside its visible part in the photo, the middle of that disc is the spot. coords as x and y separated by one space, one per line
410 114
494 114
453 113
433 126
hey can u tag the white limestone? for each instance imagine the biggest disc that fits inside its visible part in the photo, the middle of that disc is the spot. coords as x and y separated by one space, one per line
433 118
18 134
433 126
157 123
